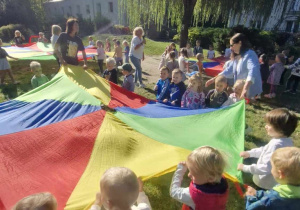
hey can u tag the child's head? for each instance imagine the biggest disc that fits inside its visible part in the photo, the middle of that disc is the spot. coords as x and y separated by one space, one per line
220 83
43 201
173 45
286 165
172 55
176 76
110 63
125 43
239 86
41 34
118 43
280 58
56 30
36 68
195 83
90 38
119 188
72 26
280 123
198 42
164 72
200 57
183 52
126 69
114 40
263 59
99 43
107 40
17 33
188 45
206 165
211 47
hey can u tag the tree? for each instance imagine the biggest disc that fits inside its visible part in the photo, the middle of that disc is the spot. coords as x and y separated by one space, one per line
185 13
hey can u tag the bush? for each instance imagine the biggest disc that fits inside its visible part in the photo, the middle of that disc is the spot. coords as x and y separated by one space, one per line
7 33
100 21
120 30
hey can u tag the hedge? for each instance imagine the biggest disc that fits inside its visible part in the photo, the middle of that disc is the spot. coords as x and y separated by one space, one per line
7 33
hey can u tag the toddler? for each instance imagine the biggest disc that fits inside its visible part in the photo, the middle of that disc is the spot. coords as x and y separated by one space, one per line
126 51
275 74
200 58
280 124
39 78
227 51
118 54
121 189
173 47
162 85
39 201
172 63
128 82
111 73
211 52
194 98
198 48
100 55
91 41
19 38
216 97
183 62
107 45
56 31
189 50
208 189
176 89
294 77
236 95
264 68
42 38
286 171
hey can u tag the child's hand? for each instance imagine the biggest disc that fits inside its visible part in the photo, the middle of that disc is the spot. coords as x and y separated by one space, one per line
16 59
98 199
165 100
209 82
141 185
250 191
240 167
173 103
182 163
244 155
155 88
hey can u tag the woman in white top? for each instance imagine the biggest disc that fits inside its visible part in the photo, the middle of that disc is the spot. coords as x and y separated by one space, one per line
56 31
136 53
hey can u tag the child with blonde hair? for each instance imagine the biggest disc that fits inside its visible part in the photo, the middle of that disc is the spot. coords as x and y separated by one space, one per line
100 55
39 78
56 31
91 41
200 58
280 124
189 50
211 52
236 95
162 85
118 54
126 50
107 45
43 201
286 171
121 189
216 97
111 74
19 38
208 189
194 98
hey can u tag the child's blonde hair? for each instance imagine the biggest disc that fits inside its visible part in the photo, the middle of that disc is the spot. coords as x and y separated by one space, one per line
287 159
221 78
56 29
120 186
197 78
110 60
35 65
239 82
208 161
17 31
199 55
45 201
124 42
138 29
177 71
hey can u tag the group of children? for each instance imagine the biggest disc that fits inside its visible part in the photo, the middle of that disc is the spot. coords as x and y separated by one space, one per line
276 173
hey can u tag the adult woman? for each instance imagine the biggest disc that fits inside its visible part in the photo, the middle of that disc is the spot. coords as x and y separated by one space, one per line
136 53
69 44
245 66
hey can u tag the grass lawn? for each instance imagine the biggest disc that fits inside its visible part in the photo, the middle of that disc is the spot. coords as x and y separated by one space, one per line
158 188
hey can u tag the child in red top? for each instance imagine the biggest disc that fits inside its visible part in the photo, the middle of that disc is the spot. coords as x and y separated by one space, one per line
208 189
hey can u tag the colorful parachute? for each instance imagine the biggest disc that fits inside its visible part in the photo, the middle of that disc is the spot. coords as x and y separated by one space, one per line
59 138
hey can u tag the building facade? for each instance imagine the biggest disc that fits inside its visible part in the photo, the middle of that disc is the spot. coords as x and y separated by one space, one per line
88 9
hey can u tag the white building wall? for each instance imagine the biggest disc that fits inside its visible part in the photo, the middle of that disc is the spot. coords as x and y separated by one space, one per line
87 8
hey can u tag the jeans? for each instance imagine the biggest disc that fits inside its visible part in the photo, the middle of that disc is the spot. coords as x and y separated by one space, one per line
126 58
138 69
292 79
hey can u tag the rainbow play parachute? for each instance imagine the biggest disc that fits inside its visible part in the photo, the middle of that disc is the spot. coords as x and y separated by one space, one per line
59 138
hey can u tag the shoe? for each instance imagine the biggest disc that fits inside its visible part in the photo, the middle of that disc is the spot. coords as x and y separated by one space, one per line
136 84
287 91
142 85
268 95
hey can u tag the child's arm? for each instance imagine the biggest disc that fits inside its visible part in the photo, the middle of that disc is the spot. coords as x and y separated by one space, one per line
142 200
176 191
97 205
164 91
183 100
294 65
12 57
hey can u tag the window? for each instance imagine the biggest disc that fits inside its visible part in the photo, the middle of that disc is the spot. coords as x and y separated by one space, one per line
78 9
111 7
70 10
88 9
98 8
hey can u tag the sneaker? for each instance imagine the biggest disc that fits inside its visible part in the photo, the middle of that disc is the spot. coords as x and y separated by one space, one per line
136 84
142 85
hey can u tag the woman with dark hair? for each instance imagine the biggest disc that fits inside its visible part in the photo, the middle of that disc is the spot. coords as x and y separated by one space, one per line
69 44
245 67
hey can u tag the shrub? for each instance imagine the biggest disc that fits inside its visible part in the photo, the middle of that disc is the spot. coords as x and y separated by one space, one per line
120 30
7 33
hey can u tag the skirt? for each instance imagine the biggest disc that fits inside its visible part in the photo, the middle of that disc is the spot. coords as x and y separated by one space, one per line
4 65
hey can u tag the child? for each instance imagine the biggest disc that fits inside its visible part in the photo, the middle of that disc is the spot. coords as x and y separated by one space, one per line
42 38
182 61
4 66
294 78
236 95
208 189
100 55
111 73
264 68
56 31
194 98
275 74
200 58
121 189
189 50
197 48
45 201
126 51
286 171
91 41
210 52
19 38
162 85
227 51
107 45
173 47
118 54
172 63
176 89
39 78
216 97
165 57
280 124
128 82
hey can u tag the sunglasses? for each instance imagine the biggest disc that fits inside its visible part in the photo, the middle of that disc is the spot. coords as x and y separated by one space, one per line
232 44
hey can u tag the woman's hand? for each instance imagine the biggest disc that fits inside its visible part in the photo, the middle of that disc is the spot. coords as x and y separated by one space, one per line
209 82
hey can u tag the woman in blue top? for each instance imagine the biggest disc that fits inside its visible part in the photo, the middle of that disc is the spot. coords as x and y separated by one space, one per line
245 67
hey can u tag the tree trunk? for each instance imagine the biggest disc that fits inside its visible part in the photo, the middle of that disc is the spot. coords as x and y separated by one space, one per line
188 6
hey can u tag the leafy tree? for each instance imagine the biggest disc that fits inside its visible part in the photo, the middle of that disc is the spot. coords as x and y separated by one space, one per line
185 13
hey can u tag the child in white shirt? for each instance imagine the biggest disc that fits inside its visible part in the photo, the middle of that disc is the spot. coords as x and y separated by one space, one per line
280 124
236 95
100 55
211 52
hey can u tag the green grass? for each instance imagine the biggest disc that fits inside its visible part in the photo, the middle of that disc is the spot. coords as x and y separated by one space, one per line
158 188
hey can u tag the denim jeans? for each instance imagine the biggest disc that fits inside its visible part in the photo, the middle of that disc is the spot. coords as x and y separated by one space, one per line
292 79
138 69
